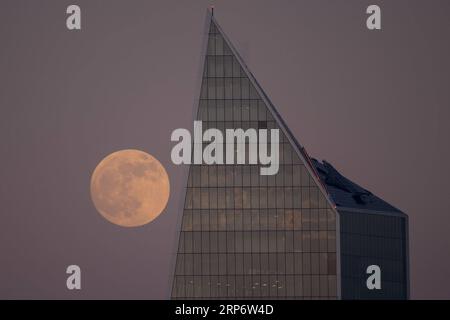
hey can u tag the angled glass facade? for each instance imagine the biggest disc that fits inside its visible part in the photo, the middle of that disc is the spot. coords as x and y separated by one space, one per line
250 236
246 235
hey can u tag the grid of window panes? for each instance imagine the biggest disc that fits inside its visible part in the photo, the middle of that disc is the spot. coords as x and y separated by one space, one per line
373 239
246 235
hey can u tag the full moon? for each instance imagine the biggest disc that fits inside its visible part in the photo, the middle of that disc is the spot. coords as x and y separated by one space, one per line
130 188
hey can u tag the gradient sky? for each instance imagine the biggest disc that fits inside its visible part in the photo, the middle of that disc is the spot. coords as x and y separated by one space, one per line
373 103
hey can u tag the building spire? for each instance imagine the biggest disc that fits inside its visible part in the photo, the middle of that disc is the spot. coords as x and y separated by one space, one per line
212 10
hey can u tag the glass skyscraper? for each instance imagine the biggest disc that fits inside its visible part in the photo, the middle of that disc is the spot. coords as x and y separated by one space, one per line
250 236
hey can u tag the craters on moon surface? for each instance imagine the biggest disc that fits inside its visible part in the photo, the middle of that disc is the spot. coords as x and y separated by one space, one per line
130 188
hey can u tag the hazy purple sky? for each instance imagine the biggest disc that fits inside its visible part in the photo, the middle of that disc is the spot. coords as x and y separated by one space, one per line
373 103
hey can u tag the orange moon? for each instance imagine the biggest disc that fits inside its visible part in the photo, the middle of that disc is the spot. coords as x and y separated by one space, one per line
130 188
